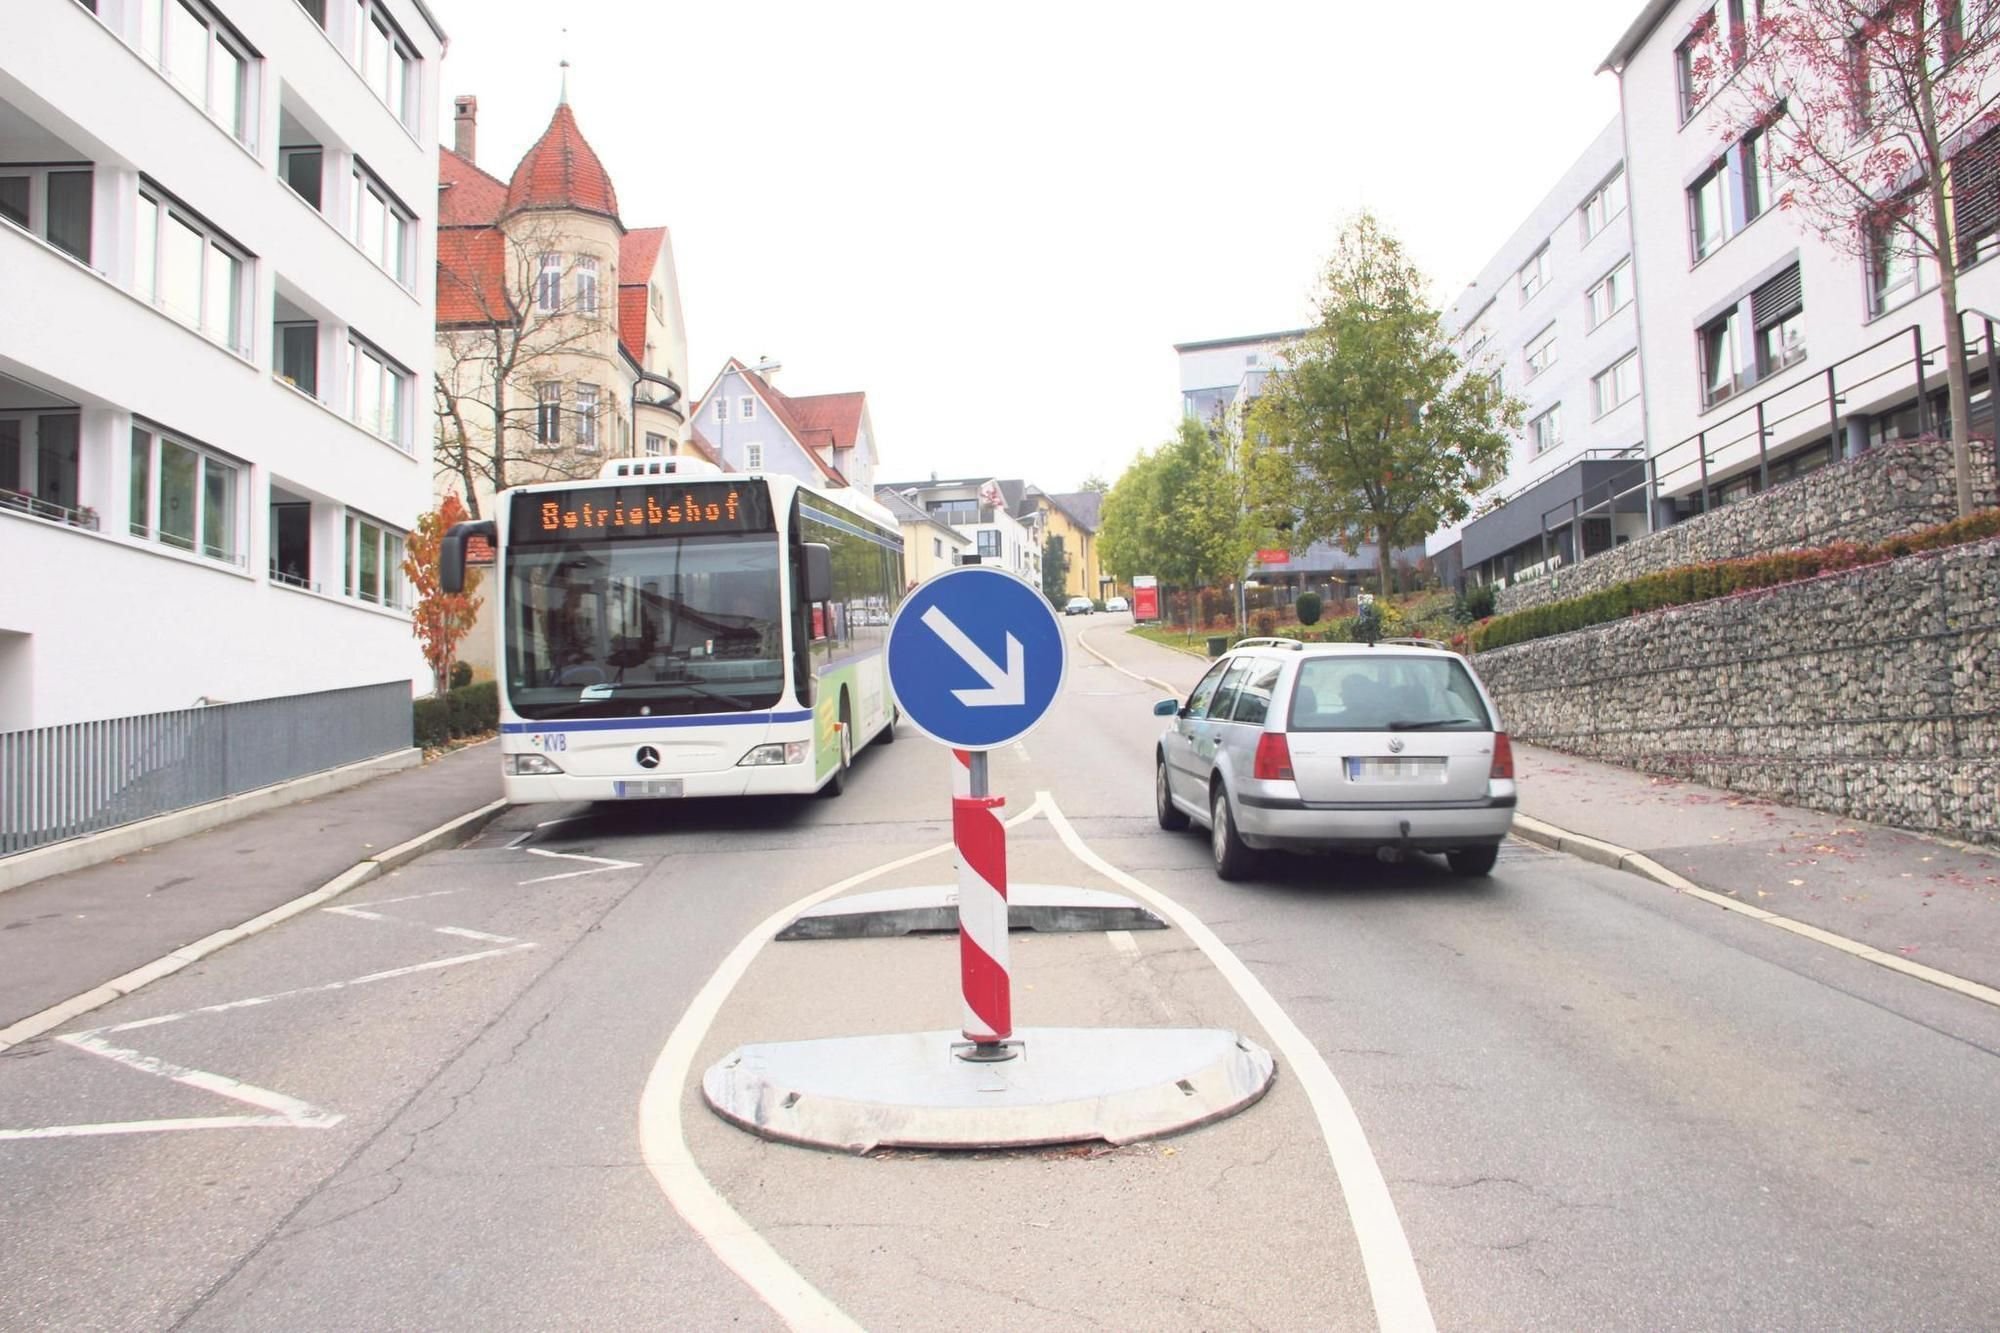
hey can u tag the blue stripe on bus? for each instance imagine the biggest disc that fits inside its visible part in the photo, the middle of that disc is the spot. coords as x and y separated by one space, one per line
634 723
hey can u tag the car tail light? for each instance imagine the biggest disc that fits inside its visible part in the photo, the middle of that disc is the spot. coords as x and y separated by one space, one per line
1503 757
1274 758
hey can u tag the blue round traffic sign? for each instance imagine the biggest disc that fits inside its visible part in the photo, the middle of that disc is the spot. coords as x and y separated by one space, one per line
976 656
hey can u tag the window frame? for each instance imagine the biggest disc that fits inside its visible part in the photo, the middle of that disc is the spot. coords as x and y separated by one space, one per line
147 487
1601 195
1609 283
153 47
370 15
722 409
170 210
548 414
584 270
367 185
746 408
1545 341
37 176
548 282
1545 438
753 456
392 372
390 592
1600 406
588 403
1538 262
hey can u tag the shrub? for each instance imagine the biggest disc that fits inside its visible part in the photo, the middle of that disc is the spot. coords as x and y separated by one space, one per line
1308 606
1367 623
1722 578
430 723
1474 603
1266 622
461 675
470 711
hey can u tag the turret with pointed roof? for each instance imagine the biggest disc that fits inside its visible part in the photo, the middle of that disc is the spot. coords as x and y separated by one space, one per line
562 171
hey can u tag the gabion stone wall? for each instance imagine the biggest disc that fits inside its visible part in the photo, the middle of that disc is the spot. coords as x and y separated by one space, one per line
1865 499
1871 694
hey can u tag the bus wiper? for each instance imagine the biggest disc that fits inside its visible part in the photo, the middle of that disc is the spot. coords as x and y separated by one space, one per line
1432 723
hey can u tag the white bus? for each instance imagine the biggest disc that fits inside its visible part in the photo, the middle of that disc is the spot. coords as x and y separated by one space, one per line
670 630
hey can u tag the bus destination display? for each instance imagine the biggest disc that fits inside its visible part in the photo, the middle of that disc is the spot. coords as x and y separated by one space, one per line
673 509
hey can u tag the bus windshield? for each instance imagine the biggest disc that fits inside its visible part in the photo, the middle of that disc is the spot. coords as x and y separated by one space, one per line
627 628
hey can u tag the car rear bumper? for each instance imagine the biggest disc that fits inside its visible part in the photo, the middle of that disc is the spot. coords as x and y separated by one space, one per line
1289 822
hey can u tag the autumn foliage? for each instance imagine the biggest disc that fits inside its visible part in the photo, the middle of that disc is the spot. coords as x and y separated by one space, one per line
442 619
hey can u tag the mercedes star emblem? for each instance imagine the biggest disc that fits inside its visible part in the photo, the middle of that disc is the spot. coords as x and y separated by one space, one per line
1395 747
650 758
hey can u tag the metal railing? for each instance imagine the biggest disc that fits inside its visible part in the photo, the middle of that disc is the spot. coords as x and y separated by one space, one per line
21 501
66 781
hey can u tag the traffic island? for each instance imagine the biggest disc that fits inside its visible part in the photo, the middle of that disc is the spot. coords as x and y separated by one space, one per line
1057 1085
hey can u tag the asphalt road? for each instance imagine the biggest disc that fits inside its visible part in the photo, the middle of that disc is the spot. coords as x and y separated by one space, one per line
1596 1104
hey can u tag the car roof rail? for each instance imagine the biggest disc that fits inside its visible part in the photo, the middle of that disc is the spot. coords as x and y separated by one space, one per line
1420 643
1270 641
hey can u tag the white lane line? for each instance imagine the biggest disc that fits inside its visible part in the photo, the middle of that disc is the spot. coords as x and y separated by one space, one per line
602 864
413 897
1393 1281
255 1000
356 912
1122 942
459 932
462 933
663 1137
153 1127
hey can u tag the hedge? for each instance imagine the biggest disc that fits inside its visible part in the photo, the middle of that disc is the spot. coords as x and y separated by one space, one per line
1706 582
470 710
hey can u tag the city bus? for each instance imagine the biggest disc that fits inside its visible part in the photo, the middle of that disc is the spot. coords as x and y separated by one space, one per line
668 630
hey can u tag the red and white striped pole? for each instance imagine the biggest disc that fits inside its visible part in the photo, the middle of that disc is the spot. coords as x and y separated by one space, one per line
981 841
961 773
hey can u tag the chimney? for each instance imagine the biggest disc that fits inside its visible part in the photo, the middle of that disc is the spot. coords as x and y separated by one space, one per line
767 370
465 127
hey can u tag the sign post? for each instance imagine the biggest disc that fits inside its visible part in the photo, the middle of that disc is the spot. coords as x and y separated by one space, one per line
975 658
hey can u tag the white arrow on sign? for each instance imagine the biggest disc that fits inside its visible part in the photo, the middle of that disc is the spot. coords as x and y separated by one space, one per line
1008 689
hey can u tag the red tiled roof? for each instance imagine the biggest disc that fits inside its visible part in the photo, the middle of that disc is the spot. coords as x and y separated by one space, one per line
813 439
471 276
638 252
838 415
467 196
562 171
699 443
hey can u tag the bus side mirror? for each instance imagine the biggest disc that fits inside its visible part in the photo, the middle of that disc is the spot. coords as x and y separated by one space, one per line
819 572
451 552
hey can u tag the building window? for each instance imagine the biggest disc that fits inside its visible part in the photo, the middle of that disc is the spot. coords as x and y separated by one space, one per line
381 226
1499 383
1754 339
746 407
1605 204
1897 269
50 202
753 457
291 542
387 62
1612 293
1778 312
953 512
937 547
656 444
586 285
1615 386
202 57
378 393
189 270
1545 432
184 496
586 417
298 356
1534 275
1707 55
316 10
721 409
548 284
548 415
989 544
373 568
300 168
40 463
654 300
1975 180
1729 196
1540 352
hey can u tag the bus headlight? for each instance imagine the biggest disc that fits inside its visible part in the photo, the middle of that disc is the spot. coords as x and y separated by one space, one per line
779 752
529 766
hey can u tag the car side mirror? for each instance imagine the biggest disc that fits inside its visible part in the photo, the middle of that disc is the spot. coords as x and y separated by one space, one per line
1167 708
819 572
451 551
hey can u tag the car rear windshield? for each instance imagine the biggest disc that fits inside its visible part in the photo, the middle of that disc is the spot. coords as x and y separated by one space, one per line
1386 692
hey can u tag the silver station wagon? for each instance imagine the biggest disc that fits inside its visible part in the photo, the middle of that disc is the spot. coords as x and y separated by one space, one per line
1309 746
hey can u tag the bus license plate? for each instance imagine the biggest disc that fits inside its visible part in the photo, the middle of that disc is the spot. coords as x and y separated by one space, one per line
646 788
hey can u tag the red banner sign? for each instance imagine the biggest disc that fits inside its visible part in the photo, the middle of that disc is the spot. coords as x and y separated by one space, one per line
1274 557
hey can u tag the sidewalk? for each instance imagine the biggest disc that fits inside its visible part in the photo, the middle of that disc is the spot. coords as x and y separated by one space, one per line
63 935
1926 901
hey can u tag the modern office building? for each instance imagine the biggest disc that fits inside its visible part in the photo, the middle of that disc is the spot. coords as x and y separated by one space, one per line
216 222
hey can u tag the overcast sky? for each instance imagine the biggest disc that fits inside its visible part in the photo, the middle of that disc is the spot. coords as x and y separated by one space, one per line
999 220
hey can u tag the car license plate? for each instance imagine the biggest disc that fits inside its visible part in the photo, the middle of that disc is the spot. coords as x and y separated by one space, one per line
1369 769
646 788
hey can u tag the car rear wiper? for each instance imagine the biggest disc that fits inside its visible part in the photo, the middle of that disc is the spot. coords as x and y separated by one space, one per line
1432 723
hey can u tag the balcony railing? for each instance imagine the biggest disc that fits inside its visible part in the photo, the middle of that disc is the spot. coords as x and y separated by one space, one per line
83 516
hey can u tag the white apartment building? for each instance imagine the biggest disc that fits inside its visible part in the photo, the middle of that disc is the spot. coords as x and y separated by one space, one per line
1754 329
1551 317
1220 376
1003 524
216 224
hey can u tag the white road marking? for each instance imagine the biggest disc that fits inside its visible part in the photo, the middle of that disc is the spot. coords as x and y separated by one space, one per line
356 912
1122 941
152 1127
1393 1281
412 897
1021 749
481 935
460 932
603 863
663 1138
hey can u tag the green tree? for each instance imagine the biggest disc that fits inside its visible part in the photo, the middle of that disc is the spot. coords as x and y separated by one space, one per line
1094 482
1372 427
1178 513
1055 569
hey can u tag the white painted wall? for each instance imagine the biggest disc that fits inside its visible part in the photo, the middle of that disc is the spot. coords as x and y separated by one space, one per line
102 624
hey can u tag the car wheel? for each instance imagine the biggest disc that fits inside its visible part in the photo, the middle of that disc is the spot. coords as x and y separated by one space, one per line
1473 860
1172 818
1233 859
837 784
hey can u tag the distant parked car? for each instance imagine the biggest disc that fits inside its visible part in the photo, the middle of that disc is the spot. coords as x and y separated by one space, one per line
1295 745
1078 606
1117 604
